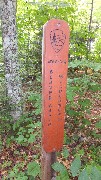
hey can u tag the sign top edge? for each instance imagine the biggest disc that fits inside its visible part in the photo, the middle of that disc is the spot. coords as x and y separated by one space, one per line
58 21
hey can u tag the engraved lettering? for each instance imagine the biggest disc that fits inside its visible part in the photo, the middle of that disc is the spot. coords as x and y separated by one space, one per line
57 61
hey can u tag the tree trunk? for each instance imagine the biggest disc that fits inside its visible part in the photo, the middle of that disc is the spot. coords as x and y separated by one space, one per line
90 24
10 48
1 4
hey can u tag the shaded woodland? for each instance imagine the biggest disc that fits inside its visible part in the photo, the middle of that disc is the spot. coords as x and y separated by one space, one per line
21 29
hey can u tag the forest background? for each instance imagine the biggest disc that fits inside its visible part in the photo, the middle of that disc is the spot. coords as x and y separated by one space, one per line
20 141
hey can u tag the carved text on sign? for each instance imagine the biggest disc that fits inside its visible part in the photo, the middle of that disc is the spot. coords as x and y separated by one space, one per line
57 38
60 96
57 61
50 96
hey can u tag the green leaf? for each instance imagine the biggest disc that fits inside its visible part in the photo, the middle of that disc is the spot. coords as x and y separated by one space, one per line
33 169
95 88
34 97
86 122
20 138
30 130
63 176
21 176
65 152
67 140
84 103
37 111
81 152
98 125
32 138
95 174
70 94
12 174
75 166
58 167
84 175
96 135
34 125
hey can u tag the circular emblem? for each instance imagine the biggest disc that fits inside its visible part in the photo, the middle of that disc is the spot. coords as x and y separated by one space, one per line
57 38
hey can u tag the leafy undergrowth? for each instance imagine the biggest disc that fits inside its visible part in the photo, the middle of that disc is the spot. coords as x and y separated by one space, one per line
20 154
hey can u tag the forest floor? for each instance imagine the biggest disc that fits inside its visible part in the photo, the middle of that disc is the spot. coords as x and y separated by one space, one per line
82 136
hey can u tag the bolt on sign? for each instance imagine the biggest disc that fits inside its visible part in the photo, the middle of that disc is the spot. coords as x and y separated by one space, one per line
54 74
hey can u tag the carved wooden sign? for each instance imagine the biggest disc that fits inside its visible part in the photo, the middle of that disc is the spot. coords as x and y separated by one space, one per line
54 67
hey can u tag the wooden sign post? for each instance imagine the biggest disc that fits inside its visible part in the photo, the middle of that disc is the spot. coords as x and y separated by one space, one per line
54 72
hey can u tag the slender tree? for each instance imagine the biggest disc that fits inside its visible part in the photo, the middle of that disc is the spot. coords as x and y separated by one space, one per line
90 25
10 48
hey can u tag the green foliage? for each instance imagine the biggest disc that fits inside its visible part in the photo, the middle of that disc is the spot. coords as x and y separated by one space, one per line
85 103
28 133
18 176
80 152
86 122
35 99
15 173
84 175
95 174
65 152
98 124
33 169
82 64
58 167
26 130
84 76
30 29
90 173
75 166
70 93
63 174
30 33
